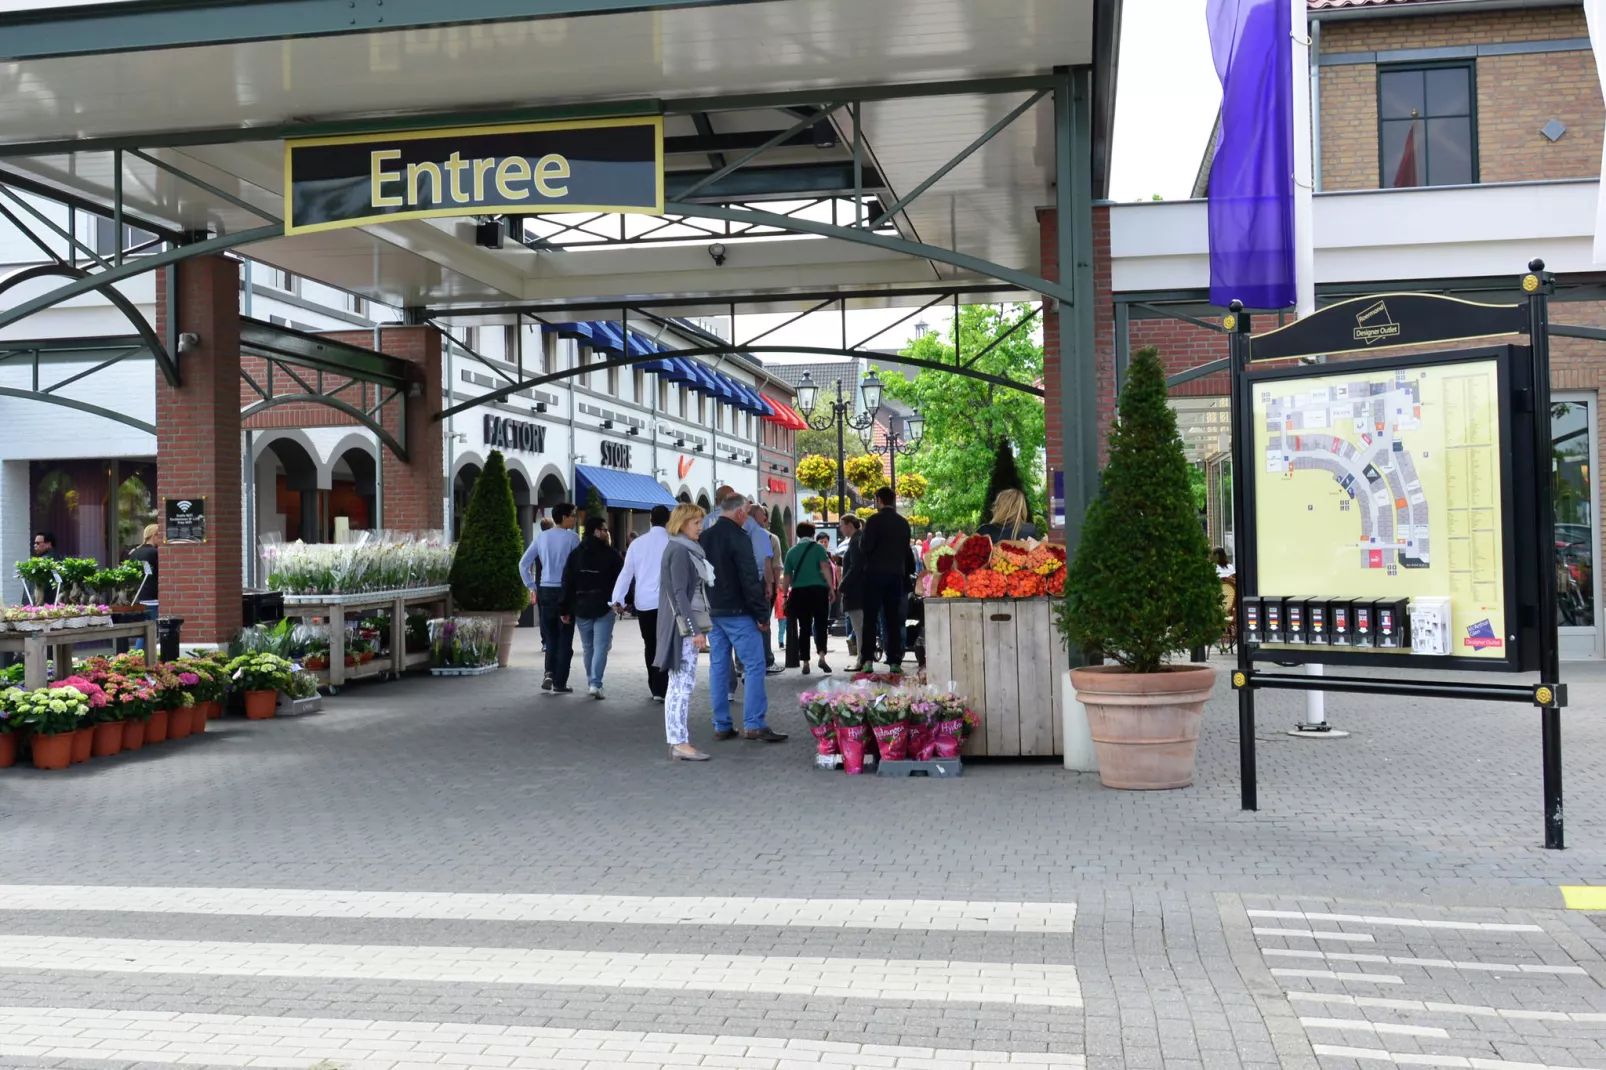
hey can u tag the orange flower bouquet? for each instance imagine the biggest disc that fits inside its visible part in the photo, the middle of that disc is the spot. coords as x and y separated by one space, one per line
986 584
1026 584
1009 558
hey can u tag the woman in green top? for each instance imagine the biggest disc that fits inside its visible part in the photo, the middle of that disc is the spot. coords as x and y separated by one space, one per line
810 587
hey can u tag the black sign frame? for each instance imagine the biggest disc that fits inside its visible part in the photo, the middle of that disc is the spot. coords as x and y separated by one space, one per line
336 182
185 516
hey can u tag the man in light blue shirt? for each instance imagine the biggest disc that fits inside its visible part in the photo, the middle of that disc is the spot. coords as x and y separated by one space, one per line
542 569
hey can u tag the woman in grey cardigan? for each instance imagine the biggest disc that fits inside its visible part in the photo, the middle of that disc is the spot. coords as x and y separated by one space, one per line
681 585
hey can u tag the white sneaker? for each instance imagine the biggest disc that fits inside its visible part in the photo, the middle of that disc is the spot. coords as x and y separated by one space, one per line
591 691
596 692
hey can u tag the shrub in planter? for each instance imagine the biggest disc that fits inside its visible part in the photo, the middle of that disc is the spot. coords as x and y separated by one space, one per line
53 715
485 572
1142 588
261 677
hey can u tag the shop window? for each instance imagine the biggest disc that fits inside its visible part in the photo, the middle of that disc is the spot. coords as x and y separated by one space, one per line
104 239
683 393
638 386
613 382
1571 457
1427 125
663 396
702 409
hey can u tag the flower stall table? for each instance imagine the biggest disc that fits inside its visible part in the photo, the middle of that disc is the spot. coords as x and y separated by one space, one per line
33 646
1006 656
334 607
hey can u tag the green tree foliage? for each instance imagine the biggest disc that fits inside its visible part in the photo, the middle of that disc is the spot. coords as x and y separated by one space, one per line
966 419
485 571
778 527
824 442
1005 476
594 505
1142 585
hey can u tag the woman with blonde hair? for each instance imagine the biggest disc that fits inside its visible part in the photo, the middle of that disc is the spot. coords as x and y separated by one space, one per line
145 553
683 623
1012 518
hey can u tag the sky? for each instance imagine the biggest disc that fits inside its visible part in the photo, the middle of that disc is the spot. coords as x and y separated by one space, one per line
1165 105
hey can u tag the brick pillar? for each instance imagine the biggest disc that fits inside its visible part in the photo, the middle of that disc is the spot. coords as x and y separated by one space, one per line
198 447
412 494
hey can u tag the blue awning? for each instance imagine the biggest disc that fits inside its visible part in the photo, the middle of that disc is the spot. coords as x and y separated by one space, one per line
621 490
734 393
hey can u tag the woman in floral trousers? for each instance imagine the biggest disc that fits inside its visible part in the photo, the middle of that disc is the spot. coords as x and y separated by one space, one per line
682 586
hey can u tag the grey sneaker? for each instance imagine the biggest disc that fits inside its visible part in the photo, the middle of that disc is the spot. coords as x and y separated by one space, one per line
596 692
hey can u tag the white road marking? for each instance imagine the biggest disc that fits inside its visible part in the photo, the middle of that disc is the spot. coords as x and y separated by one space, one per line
1401 960
1363 1026
226 1039
849 978
1447 1008
938 914
1374 978
1411 1059
1415 923
1356 938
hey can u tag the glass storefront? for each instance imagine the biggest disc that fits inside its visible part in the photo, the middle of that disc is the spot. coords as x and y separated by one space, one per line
1577 528
96 508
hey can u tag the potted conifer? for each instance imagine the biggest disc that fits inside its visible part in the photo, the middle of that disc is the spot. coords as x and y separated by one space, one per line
485 572
1143 588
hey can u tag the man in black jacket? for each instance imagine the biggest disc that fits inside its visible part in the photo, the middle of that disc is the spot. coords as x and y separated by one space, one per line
740 614
588 578
888 562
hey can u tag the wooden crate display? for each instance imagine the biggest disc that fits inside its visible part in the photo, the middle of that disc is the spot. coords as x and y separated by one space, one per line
1006 657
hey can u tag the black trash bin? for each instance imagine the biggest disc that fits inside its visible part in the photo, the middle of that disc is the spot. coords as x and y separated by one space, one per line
167 637
527 617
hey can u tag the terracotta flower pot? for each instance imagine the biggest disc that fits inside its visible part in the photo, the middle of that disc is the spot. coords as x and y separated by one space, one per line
259 705
133 735
83 743
53 752
8 750
214 709
178 722
1145 725
108 740
315 664
156 727
198 718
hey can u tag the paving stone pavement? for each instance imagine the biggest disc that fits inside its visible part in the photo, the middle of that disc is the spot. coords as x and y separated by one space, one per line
1202 936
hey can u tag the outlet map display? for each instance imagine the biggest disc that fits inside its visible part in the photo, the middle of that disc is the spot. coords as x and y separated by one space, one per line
1385 483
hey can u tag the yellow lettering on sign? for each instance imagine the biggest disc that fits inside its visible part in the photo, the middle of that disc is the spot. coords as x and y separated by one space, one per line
378 176
414 170
512 169
551 166
455 166
481 166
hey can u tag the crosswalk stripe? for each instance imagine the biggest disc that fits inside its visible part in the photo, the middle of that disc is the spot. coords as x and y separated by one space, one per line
867 978
1415 923
1354 938
157 1037
1361 1025
1413 1059
1446 964
925 914
1427 1006
1333 975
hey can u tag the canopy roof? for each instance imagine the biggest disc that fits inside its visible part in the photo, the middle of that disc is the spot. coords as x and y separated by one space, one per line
184 107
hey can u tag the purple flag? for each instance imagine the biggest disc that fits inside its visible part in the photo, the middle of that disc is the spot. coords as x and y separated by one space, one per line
1252 176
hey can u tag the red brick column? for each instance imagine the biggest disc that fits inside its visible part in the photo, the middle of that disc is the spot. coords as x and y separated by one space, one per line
198 448
412 494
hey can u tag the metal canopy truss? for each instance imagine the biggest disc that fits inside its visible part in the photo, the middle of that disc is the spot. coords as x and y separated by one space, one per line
369 381
45 352
146 333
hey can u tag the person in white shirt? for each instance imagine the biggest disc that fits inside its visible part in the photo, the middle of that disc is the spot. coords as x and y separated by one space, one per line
643 566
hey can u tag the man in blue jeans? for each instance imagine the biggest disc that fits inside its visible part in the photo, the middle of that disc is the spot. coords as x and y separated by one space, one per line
551 550
740 615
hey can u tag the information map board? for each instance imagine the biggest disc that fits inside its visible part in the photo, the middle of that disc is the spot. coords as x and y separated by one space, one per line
1388 480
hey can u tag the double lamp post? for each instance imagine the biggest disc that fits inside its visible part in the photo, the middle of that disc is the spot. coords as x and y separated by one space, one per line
841 416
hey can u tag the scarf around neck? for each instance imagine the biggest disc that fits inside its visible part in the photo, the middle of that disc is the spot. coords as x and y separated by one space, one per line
698 558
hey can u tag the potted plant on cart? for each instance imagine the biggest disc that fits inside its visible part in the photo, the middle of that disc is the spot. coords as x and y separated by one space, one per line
260 676
1141 589
485 573
52 716
8 733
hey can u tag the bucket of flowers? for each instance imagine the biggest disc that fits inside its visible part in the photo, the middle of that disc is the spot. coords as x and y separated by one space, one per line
52 716
260 676
889 720
819 710
852 729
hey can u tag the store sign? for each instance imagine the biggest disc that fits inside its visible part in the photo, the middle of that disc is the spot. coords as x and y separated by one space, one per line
777 486
684 466
186 519
611 165
616 455
514 435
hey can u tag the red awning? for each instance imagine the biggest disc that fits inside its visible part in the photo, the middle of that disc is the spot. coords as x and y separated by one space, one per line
785 415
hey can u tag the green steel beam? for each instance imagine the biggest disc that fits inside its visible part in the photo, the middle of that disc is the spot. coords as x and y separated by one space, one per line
334 403
67 31
754 153
185 176
978 291
85 283
1025 280
786 182
80 203
320 353
81 406
103 279
1210 368
1078 362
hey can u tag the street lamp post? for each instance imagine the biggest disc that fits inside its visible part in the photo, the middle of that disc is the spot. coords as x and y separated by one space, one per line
914 428
840 417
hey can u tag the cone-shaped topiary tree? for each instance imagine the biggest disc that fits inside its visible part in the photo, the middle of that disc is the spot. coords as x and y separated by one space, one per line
778 528
1005 476
485 572
1142 585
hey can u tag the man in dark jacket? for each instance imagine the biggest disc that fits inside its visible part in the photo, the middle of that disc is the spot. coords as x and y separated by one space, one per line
888 562
740 614
588 578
